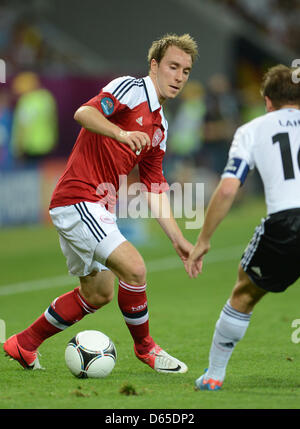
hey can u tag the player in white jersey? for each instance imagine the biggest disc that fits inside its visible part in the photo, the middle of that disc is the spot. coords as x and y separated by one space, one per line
270 263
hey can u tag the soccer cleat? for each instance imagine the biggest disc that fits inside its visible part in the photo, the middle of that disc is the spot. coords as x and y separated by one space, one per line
204 383
29 360
161 361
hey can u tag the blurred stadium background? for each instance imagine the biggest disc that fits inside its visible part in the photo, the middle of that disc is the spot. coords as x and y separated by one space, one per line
59 54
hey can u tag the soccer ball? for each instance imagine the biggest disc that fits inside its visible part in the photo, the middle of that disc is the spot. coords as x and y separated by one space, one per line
90 354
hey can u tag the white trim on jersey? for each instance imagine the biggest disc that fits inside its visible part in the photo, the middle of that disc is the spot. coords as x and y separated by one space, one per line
163 143
127 90
152 98
132 92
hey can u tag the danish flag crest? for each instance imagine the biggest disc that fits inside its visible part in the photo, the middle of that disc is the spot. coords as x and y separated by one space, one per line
157 136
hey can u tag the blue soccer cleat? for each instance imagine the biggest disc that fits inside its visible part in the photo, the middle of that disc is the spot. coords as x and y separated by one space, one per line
203 383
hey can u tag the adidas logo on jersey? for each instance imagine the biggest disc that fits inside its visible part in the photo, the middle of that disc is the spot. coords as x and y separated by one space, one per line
140 121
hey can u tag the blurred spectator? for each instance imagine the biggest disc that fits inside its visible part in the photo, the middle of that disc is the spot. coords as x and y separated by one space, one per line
253 103
185 141
7 17
221 120
279 19
26 46
6 114
35 121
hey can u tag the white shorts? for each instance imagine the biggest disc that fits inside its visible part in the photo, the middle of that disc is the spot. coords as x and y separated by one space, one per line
82 228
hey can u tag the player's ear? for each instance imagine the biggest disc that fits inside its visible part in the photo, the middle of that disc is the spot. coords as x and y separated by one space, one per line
269 104
153 66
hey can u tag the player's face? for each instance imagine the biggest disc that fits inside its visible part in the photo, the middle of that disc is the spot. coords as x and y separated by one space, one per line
171 74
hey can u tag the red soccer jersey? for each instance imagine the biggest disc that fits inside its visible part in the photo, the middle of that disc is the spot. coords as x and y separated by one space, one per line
133 105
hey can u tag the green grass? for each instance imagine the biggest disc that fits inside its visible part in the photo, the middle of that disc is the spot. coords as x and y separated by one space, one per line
263 372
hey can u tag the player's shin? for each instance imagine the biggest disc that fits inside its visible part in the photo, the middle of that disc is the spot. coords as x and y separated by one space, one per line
63 312
133 305
230 328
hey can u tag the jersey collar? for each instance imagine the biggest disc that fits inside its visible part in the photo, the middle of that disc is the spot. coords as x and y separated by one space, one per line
151 94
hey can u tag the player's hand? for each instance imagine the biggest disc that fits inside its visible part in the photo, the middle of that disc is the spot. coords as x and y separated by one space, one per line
136 140
183 249
195 259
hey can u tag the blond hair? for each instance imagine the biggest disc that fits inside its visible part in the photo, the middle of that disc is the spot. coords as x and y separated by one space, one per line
185 42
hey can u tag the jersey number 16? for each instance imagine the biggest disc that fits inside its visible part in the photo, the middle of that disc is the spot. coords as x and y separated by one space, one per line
286 154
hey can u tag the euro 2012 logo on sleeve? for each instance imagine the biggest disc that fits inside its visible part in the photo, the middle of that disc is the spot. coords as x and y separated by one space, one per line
107 105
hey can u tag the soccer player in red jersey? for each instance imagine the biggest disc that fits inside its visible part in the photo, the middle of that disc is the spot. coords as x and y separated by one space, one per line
123 126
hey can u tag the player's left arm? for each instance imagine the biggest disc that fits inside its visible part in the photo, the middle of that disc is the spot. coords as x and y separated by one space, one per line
218 207
151 175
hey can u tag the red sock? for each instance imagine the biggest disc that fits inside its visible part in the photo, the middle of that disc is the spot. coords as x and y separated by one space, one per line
133 304
63 312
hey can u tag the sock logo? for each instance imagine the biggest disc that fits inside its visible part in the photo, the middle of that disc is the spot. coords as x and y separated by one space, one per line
228 345
139 307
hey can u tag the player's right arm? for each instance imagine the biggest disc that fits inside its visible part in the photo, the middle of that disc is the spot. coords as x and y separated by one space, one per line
218 207
93 120
234 175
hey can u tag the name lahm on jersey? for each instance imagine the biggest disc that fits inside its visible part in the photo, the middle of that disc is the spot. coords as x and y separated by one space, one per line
289 123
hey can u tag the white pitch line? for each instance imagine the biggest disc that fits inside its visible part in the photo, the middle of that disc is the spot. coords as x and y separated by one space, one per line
156 265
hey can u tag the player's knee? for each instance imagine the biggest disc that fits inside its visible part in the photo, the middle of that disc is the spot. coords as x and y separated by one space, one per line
103 298
97 289
241 301
136 274
99 299
245 294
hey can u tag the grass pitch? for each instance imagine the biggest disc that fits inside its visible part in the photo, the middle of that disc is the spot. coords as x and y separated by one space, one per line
263 372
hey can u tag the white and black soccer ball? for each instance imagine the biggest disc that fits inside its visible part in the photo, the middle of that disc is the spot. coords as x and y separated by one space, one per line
90 354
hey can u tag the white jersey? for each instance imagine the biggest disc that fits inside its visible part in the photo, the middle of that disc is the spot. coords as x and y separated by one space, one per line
271 143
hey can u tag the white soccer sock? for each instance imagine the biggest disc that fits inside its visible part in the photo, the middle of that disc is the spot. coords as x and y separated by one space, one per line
230 328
